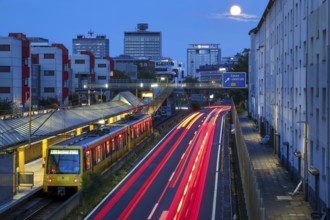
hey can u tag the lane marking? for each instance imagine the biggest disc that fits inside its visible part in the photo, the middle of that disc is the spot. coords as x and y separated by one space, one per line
153 211
217 172
171 177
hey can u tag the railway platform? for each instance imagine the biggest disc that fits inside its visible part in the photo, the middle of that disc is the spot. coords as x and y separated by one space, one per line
275 184
23 192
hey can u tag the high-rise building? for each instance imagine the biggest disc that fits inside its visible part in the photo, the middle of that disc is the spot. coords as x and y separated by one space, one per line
98 45
202 54
14 69
143 43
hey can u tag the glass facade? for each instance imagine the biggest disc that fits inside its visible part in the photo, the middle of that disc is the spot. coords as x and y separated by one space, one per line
202 54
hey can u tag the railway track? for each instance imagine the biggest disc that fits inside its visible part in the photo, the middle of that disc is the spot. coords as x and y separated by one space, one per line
38 206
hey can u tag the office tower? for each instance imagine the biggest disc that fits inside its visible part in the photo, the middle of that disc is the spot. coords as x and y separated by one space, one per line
98 45
142 43
202 54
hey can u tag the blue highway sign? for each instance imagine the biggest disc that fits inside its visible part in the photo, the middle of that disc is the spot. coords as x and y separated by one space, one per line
234 80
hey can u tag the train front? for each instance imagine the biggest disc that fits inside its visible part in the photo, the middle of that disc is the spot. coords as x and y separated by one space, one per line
63 170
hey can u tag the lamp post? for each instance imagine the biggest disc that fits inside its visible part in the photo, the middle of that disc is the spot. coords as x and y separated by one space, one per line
106 87
305 158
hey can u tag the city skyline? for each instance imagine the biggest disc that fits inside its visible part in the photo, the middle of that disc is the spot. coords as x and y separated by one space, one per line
181 23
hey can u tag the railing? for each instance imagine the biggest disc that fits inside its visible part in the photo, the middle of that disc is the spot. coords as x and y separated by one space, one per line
26 179
253 200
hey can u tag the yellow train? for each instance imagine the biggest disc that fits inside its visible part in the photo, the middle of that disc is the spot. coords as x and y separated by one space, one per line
67 162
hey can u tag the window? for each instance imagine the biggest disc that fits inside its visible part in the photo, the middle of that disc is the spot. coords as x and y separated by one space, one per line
63 161
79 61
108 147
35 58
101 77
102 65
4 69
49 73
324 40
49 90
88 159
4 89
4 47
324 102
98 154
324 166
311 101
49 56
113 144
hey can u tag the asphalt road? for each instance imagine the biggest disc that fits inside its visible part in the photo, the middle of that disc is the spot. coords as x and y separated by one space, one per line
178 179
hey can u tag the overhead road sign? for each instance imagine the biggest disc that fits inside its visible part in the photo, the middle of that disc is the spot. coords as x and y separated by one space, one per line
234 80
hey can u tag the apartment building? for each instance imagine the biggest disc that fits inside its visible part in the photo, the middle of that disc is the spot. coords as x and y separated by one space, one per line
14 69
49 72
289 91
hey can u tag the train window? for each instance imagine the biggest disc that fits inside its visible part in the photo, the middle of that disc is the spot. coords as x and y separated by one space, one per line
63 161
138 131
88 160
120 141
113 144
108 148
98 154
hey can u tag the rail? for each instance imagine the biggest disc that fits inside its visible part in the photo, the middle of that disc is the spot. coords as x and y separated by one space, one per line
253 200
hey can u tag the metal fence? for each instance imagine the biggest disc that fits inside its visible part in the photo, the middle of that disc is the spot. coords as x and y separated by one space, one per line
253 200
26 179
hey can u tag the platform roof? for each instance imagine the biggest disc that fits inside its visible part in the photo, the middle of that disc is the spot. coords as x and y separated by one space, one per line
16 131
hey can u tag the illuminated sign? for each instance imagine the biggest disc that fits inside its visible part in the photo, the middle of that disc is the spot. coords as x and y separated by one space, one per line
234 80
64 151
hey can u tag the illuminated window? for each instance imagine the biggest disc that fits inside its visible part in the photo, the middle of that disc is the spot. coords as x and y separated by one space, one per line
108 147
88 160
98 154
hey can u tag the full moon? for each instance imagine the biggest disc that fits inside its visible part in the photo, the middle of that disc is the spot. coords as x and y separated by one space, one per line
235 10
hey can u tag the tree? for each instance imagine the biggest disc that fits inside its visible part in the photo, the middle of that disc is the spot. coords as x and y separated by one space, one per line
240 95
190 79
49 102
146 72
120 75
195 106
5 107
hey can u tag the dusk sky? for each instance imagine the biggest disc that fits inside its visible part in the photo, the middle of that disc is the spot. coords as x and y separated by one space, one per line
182 22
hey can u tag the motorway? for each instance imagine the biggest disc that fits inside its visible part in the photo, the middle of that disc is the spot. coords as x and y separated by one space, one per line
178 178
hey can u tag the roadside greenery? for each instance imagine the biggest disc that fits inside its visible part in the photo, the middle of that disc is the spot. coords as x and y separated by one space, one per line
240 96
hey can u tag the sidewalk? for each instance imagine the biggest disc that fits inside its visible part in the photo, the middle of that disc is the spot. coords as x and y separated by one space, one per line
273 180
